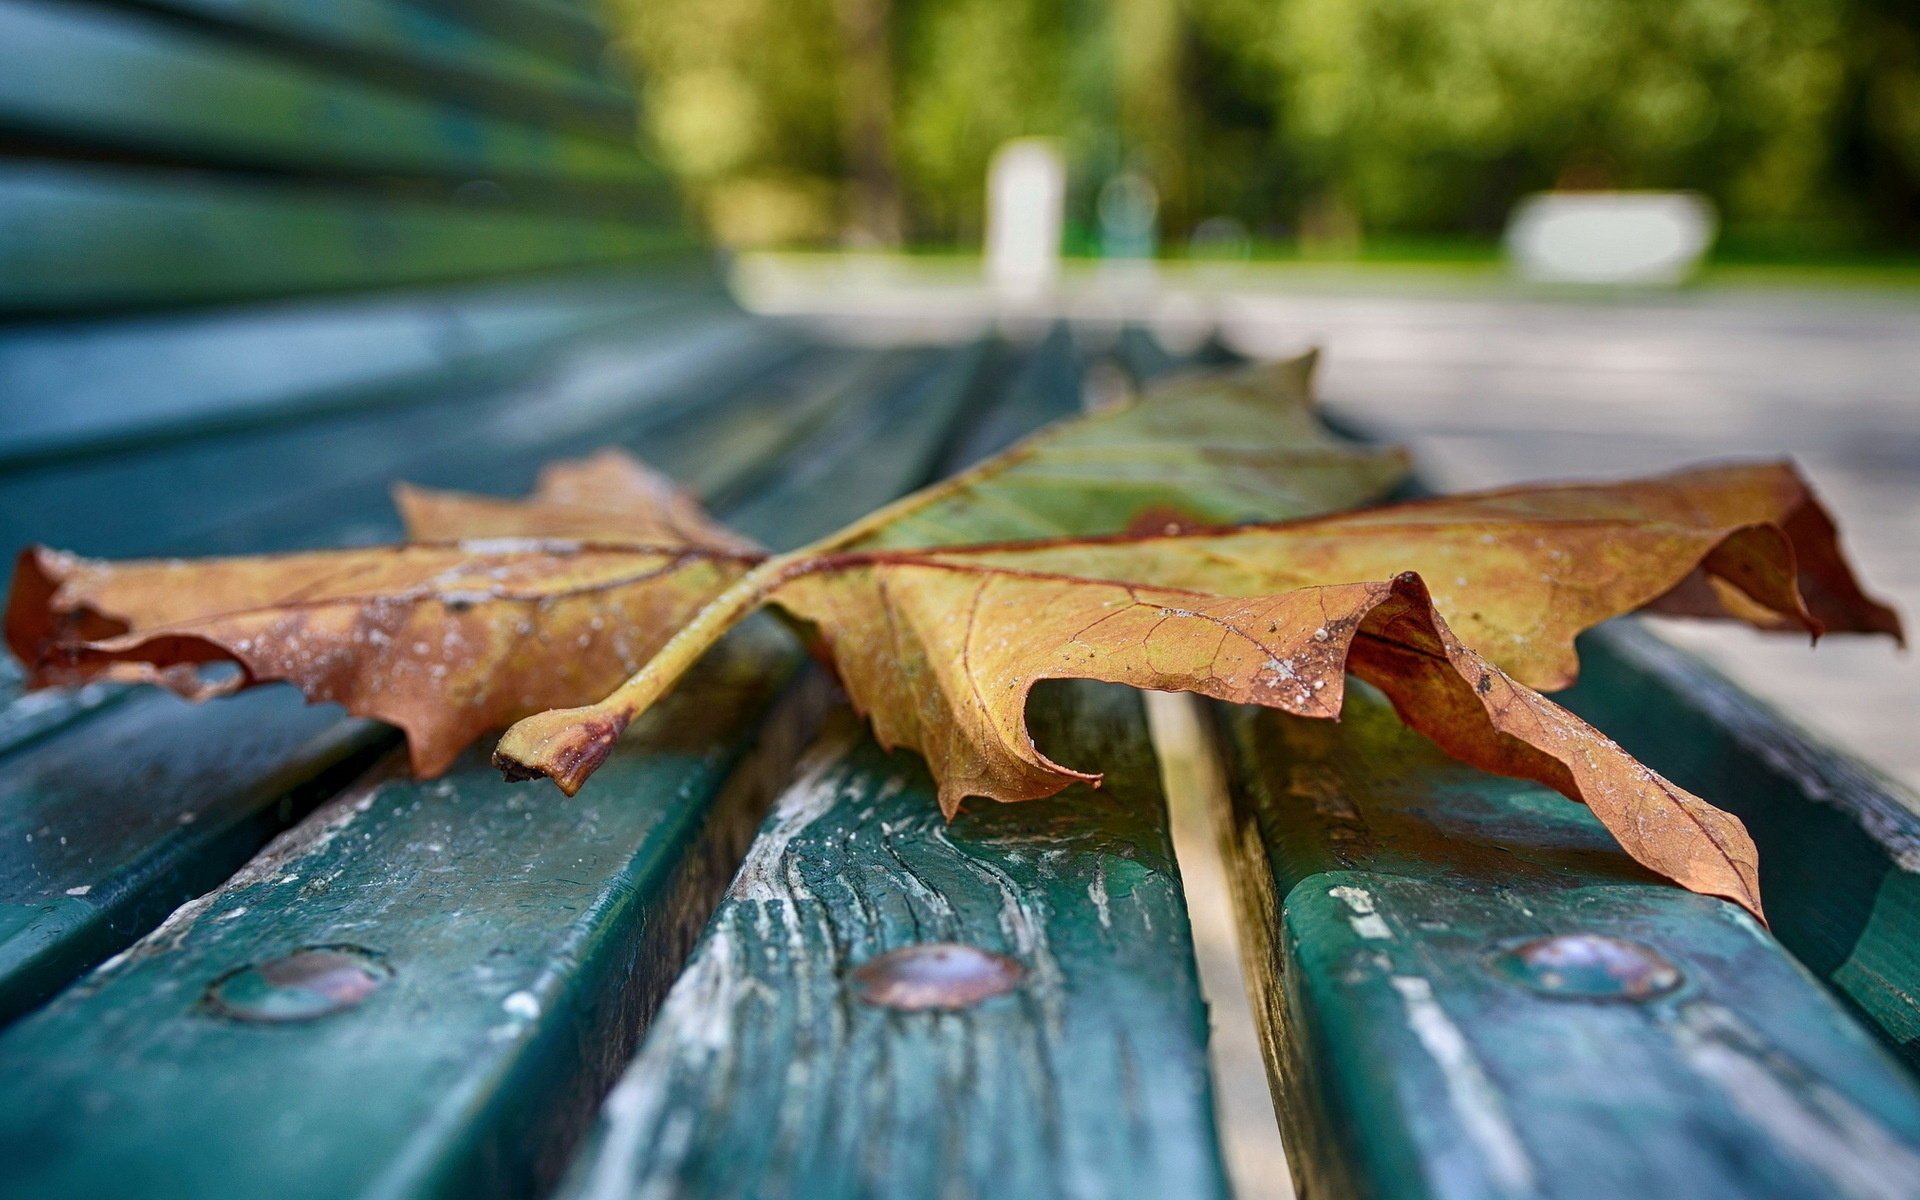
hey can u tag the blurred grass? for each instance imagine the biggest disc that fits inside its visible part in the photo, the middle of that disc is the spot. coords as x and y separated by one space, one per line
1466 261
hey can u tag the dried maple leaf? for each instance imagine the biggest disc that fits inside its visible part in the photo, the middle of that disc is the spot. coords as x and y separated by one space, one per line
495 610
1112 547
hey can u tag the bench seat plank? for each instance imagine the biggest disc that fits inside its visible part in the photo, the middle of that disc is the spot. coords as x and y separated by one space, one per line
91 386
79 238
527 935
1386 890
765 1076
191 97
1839 844
323 480
119 870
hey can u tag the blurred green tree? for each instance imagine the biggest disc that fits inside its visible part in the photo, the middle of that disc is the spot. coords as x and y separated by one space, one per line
863 121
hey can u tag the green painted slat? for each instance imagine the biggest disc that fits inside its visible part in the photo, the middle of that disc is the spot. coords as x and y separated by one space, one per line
93 386
527 937
1839 845
84 868
123 80
24 716
1379 885
130 883
409 48
765 1077
323 480
566 33
80 238
1038 387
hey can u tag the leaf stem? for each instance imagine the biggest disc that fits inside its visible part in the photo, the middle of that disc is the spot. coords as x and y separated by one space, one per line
569 744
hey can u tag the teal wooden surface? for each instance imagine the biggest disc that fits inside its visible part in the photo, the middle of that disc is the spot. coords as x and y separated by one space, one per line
527 937
195 98
92 386
766 1077
408 48
1839 845
1378 881
143 877
445 1081
80 238
323 479
24 716
567 33
149 804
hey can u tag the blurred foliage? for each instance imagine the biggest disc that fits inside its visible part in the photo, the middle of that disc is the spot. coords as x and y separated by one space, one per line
795 121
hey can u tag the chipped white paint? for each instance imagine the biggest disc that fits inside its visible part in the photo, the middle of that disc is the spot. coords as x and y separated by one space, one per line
694 1026
1809 1120
1365 921
309 837
82 890
1097 892
764 874
1474 1098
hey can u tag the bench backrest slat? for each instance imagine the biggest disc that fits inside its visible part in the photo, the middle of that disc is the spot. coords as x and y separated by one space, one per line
79 238
87 388
405 46
125 82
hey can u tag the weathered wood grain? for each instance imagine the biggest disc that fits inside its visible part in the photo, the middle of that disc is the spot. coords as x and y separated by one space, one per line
1378 881
767 1076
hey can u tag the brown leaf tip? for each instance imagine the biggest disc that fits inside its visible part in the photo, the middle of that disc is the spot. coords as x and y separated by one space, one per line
568 755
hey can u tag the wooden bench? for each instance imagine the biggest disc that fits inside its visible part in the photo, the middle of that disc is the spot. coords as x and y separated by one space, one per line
295 252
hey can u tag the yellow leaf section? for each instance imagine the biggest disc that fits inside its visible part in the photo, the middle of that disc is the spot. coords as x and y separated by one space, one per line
512 614
1519 572
942 658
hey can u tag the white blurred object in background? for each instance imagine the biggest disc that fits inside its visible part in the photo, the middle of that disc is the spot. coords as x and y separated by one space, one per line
1647 238
1026 213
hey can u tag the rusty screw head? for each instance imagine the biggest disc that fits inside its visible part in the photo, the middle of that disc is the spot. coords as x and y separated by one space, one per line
313 981
939 975
1587 966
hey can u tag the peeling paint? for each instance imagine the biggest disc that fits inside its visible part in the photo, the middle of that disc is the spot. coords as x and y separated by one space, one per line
1476 1101
1365 921
1805 1117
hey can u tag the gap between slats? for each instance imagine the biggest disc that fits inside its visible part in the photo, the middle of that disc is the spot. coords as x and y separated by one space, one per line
1195 782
